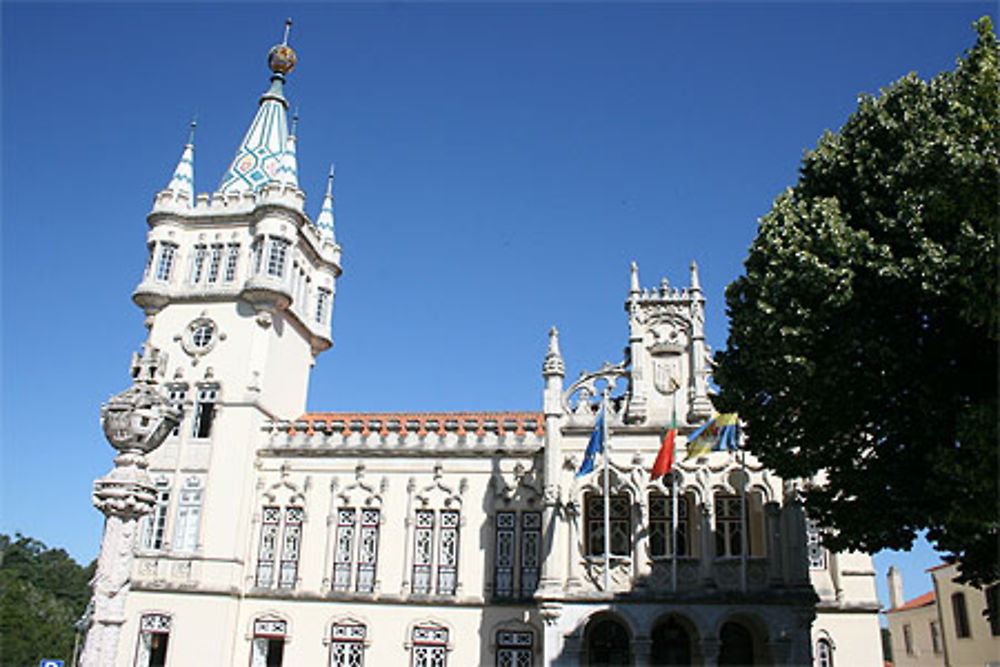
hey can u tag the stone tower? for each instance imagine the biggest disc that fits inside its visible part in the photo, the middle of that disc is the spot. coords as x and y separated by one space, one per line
238 294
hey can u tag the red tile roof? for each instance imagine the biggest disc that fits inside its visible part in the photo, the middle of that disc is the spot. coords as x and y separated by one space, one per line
423 423
938 567
922 601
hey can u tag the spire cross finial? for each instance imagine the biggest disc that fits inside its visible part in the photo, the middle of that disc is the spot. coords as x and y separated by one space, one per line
288 27
295 121
194 124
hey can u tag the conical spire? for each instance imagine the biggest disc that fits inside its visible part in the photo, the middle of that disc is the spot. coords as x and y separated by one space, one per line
261 153
182 182
288 173
324 222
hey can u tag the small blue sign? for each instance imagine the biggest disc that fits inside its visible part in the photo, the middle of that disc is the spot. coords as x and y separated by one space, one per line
51 663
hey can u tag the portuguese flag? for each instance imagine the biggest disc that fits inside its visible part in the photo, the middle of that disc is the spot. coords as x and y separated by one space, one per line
665 459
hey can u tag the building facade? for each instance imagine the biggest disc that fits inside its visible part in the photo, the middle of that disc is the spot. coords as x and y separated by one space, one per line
256 533
954 624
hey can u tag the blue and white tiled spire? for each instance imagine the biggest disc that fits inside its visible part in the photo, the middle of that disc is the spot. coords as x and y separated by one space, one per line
260 155
288 172
324 221
182 182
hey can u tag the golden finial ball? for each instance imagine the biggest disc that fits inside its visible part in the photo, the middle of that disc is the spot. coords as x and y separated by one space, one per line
281 59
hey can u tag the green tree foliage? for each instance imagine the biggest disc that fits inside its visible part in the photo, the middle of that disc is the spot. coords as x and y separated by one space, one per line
42 593
863 335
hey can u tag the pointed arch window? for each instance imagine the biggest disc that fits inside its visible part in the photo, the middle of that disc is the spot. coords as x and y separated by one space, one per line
824 653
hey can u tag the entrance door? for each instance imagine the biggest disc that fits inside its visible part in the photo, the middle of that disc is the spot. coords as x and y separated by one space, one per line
671 644
737 645
608 644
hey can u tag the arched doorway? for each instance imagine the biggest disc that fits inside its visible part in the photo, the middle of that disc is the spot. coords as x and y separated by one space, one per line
608 643
671 644
736 645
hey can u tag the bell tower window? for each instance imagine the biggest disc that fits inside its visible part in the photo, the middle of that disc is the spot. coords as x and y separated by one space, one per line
322 305
232 257
165 261
214 262
198 263
276 256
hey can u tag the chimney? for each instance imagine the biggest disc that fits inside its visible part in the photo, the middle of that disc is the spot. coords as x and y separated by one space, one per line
895 579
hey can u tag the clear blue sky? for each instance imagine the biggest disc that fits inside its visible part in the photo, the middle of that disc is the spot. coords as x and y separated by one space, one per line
498 166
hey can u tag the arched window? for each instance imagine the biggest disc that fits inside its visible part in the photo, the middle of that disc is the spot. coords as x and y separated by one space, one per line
608 643
154 635
671 644
620 521
347 645
515 648
429 646
268 643
961 615
824 653
736 646
661 543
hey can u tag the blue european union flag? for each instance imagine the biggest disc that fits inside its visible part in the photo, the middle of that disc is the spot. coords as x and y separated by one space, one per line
595 446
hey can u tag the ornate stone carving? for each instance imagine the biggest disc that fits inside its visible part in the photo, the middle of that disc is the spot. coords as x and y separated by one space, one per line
135 422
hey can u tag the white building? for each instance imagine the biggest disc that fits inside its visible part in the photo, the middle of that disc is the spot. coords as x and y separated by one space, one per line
280 537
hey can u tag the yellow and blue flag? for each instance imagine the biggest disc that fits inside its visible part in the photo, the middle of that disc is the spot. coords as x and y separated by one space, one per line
720 433
594 447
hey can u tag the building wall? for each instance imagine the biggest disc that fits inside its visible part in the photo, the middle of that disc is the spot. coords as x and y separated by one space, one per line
981 647
919 621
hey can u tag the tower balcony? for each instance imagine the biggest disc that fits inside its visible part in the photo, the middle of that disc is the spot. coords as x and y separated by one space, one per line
267 293
151 295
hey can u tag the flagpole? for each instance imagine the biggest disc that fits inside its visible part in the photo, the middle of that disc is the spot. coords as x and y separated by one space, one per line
673 516
607 492
744 538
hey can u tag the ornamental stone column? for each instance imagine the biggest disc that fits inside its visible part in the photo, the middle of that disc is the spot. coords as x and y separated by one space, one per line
135 422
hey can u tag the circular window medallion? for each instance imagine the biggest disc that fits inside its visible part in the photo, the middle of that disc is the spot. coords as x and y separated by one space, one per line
200 337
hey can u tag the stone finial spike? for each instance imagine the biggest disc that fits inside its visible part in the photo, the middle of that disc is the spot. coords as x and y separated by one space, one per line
695 283
634 280
295 122
554 341
194 124
288 28
553 364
